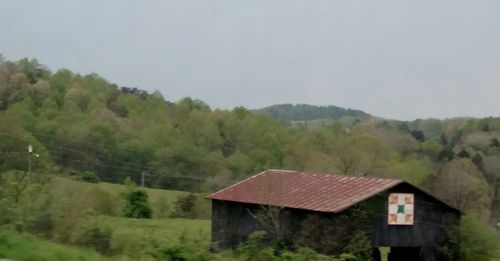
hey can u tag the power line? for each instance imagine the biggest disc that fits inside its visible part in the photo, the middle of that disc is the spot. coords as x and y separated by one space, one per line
105 146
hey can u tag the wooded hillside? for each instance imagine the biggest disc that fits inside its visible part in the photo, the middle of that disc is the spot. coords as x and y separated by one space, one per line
306 112
84 125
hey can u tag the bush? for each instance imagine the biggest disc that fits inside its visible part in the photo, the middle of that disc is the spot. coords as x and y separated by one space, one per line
184 207
97 238
137 205
90 177
255 249
24 203
360 247
188 248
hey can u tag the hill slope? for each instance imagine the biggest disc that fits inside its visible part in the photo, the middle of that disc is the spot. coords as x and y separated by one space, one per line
306 112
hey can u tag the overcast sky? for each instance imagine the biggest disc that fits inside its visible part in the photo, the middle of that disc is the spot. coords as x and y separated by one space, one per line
397 59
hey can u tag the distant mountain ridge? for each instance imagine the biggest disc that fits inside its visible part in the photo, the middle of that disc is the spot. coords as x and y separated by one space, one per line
306 112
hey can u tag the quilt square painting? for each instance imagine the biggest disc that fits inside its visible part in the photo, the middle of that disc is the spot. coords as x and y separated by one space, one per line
401 207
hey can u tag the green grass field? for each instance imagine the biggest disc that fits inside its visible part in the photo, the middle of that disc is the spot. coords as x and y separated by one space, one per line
23 247
169 196
162 201
135 238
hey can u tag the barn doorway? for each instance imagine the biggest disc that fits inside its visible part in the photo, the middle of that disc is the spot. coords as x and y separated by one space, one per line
404 254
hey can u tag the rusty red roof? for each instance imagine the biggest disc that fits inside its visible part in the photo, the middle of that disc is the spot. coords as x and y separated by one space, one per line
304 190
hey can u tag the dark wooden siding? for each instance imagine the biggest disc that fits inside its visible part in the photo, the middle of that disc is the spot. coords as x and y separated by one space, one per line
232 223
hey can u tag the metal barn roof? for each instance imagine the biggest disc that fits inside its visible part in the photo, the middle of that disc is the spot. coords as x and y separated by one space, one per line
304 190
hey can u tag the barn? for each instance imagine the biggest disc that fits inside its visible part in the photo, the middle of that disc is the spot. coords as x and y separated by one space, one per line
324 212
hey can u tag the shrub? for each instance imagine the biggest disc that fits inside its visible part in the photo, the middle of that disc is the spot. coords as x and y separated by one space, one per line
184 207
137 205
360 247
24 202
188 248
90 177
255 249
97 238
162 208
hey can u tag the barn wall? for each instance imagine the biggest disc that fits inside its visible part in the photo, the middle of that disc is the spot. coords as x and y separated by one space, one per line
232 223
326 233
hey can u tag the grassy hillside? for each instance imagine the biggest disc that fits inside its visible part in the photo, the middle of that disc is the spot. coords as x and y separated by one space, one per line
23 247
155 195
90 215
110 195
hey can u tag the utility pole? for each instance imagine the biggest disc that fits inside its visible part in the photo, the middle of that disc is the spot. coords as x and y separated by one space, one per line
143 174
30 151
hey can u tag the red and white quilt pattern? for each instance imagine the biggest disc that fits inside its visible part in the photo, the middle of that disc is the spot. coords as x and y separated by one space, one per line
401 208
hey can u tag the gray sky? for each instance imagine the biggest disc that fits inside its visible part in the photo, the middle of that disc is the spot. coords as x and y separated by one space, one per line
391 58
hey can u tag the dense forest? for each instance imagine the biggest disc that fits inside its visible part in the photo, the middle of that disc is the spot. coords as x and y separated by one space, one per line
84 126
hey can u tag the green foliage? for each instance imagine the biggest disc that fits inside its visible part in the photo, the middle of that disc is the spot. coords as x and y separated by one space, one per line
95 237
137 205
431 148
181 253
418 135
476 240
185 207
360 246
188 248
462 185
89 176
24 202
255 248
23 247
304 112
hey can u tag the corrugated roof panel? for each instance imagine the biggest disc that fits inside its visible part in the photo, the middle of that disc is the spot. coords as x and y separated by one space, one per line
303 190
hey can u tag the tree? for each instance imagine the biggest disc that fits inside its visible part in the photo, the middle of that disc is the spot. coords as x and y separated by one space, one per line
495 143
418 135
274 220
476 241
462 185
463 154
137 205
446 154
431 148
33 69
